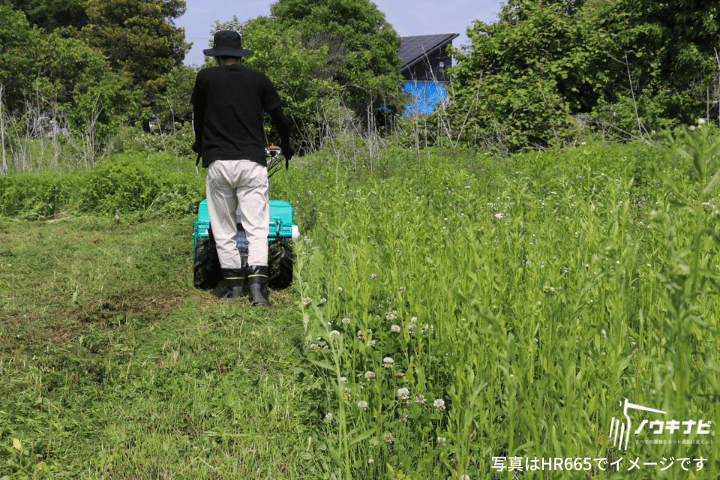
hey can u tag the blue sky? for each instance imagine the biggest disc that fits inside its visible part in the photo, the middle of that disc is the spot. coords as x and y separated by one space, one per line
408 17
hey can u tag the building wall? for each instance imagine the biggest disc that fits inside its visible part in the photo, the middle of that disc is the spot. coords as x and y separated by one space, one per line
429 68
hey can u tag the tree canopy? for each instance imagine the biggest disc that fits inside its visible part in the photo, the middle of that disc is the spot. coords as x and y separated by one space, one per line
51 14
139 39
546 66
358 27
57 71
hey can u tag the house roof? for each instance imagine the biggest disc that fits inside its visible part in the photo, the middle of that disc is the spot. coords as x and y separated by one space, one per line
413 49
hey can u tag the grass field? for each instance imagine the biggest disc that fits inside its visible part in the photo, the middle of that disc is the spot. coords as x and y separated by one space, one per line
113 366
448 317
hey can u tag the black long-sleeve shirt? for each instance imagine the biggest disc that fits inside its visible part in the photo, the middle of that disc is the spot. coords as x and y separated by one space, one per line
228 102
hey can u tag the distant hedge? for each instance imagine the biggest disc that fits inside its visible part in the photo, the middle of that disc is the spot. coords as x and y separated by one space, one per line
130 183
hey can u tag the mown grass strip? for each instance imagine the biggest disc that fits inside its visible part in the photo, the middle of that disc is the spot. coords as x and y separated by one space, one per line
113 366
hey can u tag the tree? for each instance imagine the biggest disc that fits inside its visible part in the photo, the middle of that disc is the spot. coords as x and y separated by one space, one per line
139 39
51 14
56 72
372 65
527 73
663 61
19 43
633 65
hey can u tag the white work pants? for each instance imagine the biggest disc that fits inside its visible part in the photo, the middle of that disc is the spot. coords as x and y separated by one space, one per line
243 183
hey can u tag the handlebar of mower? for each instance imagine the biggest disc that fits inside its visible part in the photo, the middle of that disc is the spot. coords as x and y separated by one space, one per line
274 164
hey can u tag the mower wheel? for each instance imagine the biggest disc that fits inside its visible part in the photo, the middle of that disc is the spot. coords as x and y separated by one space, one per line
206 266
280 264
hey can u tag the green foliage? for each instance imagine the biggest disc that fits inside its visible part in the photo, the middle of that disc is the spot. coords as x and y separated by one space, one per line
633 66
526 73
123 185
178 141
654 54
137 184
175 104
139 40
51 15
36 196
571 294
19 42
372 66
57 73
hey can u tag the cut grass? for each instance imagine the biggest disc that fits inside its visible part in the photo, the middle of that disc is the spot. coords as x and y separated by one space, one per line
114 366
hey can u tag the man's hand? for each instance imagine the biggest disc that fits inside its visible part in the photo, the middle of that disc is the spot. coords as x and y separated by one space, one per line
288 151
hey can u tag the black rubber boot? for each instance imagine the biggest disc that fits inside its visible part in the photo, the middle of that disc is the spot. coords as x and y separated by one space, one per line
258 283
235 280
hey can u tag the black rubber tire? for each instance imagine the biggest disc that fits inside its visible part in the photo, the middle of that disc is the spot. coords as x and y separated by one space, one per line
206 267
280 264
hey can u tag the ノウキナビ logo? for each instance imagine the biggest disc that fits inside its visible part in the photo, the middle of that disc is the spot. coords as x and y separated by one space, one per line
621 430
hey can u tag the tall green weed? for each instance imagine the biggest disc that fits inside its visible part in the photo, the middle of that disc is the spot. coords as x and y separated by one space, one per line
460 314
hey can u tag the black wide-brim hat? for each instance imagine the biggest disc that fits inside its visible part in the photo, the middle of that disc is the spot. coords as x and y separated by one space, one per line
227 43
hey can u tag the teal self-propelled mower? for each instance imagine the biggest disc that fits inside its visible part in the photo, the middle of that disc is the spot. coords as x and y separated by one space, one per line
281 233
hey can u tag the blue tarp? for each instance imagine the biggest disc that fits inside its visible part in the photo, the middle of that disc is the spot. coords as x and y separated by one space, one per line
425 96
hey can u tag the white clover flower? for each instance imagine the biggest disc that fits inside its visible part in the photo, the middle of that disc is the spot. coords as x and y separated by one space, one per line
374 276
388 362
441 441
339 289
395 329
363 405
370 375
390 316
314 346
307 301
388 438
701 121
370 460
439 404
360 336
427 328
467 477
371 343
420 399
343 379
345 321
322 300
403 393
402 289
328 417
334 334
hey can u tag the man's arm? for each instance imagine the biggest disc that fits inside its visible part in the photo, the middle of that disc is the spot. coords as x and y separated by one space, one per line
198 101
282 125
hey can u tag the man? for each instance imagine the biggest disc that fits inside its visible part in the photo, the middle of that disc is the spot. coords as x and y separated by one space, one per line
228 102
